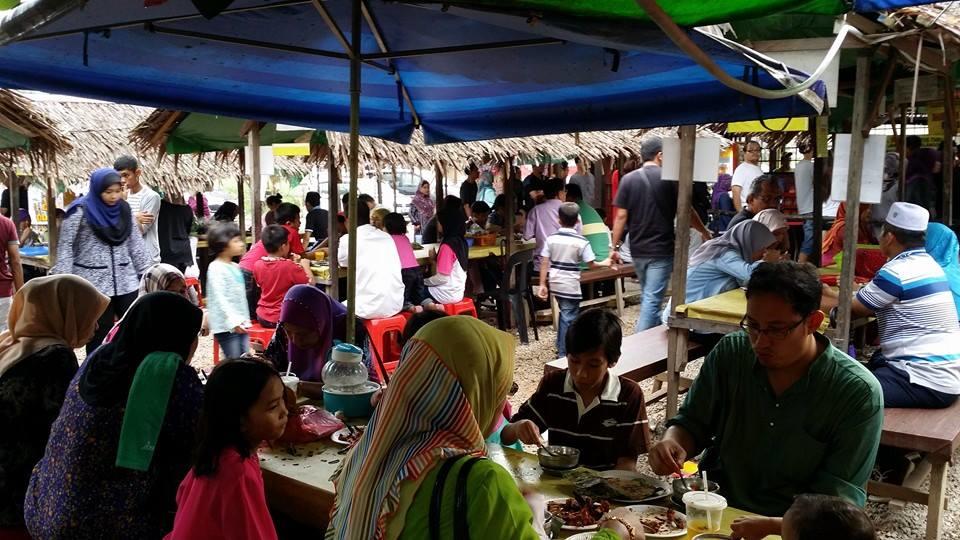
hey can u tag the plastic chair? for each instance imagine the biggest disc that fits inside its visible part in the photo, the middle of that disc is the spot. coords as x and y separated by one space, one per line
258 334
463 307
383 334
194 284
513 294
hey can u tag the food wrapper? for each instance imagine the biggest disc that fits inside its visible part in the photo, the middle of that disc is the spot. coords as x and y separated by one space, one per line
307 423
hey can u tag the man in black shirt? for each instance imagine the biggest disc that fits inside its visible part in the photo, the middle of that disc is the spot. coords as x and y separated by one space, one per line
646 207
533 188
317 218
468 188
5 201
764 193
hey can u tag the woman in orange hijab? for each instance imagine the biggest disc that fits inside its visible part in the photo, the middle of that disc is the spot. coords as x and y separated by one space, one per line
833 240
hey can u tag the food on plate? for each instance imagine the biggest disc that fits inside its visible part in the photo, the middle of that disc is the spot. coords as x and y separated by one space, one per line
662 521
634 489
597 486
578 512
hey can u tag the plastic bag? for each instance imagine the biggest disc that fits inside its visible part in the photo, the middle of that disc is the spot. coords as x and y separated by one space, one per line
308 423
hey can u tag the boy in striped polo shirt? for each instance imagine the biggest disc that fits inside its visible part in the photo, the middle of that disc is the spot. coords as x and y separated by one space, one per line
918 363
586 406
567 251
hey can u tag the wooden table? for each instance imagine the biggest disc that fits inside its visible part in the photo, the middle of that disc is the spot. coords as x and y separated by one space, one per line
299 485
41 262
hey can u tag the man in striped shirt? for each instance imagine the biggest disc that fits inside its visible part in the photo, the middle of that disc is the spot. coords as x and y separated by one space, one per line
918 363
566 251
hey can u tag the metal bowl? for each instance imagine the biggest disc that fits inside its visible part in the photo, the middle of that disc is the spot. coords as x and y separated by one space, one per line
559 457
680 488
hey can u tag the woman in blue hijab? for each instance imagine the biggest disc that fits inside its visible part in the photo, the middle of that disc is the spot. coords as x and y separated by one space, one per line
943 246
99 242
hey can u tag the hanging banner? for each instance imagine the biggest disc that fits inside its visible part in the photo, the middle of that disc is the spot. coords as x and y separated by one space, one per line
706 164
769 124
871 179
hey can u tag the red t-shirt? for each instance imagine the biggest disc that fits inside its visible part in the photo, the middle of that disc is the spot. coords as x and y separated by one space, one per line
229 504
251 257
8 235
293 236
275 277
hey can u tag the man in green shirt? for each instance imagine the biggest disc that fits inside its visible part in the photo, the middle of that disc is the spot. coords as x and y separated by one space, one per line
594 229
776 409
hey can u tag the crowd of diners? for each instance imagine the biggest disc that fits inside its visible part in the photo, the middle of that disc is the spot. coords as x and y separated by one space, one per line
130 444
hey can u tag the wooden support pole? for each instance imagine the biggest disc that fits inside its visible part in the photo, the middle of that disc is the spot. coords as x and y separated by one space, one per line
819 168
438 188
241 204
681 249
511 209
253 140
393 170
53 233
14 189
333 236
902 187
355 41
949 130
855 171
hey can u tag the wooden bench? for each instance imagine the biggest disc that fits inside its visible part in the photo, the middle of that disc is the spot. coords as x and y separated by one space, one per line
642 355
935 433
597 275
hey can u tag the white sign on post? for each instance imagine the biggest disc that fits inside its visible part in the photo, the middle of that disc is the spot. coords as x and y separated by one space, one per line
871 180
706 161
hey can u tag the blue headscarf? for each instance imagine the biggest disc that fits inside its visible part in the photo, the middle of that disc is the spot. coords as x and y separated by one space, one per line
943 246
112 224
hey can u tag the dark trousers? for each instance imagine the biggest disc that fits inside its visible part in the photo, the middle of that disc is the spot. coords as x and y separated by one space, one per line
253 293
414 291
115 310
900 393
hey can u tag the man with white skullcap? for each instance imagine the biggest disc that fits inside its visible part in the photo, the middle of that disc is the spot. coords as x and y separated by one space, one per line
918 363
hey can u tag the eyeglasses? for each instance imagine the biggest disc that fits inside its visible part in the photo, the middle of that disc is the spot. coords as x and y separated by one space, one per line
773 333
776 199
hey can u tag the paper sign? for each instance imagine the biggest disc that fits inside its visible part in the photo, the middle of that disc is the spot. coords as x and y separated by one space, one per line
871 180
706 159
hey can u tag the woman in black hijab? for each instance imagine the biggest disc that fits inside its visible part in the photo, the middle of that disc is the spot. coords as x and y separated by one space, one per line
124 437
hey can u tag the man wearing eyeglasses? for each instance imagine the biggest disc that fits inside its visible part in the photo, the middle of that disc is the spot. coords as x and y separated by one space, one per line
777 410
765 193
744 174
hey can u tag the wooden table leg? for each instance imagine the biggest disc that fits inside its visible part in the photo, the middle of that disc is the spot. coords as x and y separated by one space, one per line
676 342
935 504
618 291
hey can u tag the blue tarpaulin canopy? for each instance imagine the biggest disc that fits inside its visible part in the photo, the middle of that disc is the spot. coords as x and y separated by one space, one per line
281 63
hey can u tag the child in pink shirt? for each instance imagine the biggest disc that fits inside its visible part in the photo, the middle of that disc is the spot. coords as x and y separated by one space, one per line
415 297
222 495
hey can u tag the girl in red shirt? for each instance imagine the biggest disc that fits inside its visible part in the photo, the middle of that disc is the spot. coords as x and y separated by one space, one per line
222 495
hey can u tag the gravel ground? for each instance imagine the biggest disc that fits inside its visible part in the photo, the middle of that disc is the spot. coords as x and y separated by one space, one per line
909 524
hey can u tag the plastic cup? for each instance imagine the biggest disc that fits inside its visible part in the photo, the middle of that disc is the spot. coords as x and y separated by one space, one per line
704 511
291 381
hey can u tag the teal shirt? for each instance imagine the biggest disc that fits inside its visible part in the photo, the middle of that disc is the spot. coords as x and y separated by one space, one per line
820 436
595 231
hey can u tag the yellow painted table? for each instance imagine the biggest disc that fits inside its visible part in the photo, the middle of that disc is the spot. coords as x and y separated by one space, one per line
37 261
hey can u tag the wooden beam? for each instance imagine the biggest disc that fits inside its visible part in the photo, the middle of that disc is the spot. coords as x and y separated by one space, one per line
355 72
161 134
242 205
857 141
511 210
333 237
789 45
53 234
902 186
881 92
253 140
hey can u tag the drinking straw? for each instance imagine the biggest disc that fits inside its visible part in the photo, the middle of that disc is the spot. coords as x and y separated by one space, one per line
706 487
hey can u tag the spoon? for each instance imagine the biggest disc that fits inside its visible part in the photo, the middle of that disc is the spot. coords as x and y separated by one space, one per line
546 449
343 418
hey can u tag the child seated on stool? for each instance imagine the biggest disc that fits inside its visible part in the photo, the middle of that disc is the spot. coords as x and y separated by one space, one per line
415 296
811 517
585 406
567 251
276 274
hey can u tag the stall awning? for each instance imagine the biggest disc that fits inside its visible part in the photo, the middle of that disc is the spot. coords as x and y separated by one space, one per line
280 64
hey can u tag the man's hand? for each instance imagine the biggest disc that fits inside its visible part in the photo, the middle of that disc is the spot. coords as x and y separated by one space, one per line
667 457
145 218
239 330
615 256
527 432
542 292
755 528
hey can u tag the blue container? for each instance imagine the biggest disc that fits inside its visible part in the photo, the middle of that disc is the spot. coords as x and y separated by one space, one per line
353 404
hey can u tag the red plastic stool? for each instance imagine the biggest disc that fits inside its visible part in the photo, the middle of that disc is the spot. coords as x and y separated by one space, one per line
258 334
194 283
383 334
463 307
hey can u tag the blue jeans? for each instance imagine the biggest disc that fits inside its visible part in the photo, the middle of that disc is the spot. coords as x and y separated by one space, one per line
807 245
233 345
569 309
654 276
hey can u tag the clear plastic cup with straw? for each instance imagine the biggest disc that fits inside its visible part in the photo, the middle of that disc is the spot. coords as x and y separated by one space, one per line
704 511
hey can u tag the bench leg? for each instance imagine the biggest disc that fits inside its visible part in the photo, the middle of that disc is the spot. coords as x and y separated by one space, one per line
618 291
676 342
936 503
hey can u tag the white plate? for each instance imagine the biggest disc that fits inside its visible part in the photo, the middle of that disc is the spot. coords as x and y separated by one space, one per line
340 435
571 527
582 536
647 509
667 490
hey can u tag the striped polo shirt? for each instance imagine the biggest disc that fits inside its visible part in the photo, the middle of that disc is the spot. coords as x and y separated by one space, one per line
919 331
614 425
566 250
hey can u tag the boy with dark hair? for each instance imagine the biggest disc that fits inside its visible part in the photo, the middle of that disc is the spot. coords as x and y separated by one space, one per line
276 274
288 217
317 218
585 406
567 252
811 517
144 203
780 386
479 214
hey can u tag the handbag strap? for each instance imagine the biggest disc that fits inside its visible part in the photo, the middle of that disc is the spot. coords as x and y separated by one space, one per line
460 529
460 505
436 500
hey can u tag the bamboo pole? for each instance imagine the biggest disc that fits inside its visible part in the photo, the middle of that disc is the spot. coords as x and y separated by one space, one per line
355 42
511 210
333 238
902 187
253 140
393 170
53 234
855 171
241 204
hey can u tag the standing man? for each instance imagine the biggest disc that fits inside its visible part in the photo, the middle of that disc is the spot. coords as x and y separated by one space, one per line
144 204
745 173
533 187
922 166
803 178
468 188
317 218
646 207
11 273
584 178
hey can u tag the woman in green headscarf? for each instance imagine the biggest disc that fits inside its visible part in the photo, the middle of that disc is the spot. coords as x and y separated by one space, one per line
443 400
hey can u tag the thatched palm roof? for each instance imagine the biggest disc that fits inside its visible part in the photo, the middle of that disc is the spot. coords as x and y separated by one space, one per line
98 132
21 120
